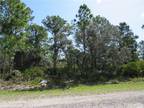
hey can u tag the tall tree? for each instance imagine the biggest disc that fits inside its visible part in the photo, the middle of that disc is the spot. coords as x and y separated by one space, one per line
59 30
103 44
37 36
82 21
129 40
14 18
141 49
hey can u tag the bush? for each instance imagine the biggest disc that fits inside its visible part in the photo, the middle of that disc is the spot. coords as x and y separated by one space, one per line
133 69
16 75
140 79
34 73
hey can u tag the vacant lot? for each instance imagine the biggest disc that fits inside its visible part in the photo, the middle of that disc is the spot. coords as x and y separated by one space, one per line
123 95
73 91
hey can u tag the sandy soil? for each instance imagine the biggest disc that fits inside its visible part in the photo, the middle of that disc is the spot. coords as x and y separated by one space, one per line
133 99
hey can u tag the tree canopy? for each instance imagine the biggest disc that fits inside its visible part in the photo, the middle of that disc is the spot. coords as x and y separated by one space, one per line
90 49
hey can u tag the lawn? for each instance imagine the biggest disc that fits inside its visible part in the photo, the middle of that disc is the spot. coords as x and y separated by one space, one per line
78 90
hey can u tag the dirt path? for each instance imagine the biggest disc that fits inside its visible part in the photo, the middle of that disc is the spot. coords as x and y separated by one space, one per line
113 100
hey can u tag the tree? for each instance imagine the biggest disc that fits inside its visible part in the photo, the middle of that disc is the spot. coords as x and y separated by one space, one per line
103 56
82 21
14 18
59 30
103 40
129 40
37 36
141 49
38 39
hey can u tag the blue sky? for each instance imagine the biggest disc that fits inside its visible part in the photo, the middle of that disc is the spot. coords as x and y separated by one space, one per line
116 11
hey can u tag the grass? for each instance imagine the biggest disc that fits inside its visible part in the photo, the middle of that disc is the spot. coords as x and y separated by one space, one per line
78 90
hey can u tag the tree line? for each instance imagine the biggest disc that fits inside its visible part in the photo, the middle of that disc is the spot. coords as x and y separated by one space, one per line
90 49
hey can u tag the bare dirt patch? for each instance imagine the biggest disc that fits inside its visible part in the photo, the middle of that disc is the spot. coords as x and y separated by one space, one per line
113 100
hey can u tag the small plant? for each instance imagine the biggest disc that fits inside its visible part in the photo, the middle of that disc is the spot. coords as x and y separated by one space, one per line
16 76
34 73
137 79
133 69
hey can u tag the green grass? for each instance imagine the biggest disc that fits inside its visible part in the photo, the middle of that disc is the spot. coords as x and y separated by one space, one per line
78 90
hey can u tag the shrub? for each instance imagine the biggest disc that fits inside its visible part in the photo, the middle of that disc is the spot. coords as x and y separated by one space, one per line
140 79
133 69
34 73
14 76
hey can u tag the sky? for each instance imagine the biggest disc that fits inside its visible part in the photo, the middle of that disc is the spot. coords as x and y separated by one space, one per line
116 11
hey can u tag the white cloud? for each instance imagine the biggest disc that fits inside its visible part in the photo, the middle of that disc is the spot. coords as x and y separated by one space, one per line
99 1
142 15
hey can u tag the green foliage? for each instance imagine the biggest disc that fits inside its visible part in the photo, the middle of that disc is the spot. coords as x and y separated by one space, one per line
34 73
37 35
128 40
60 31
141 49
14 16
53 23
133 69
94 53
16 76
140 79
73 91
